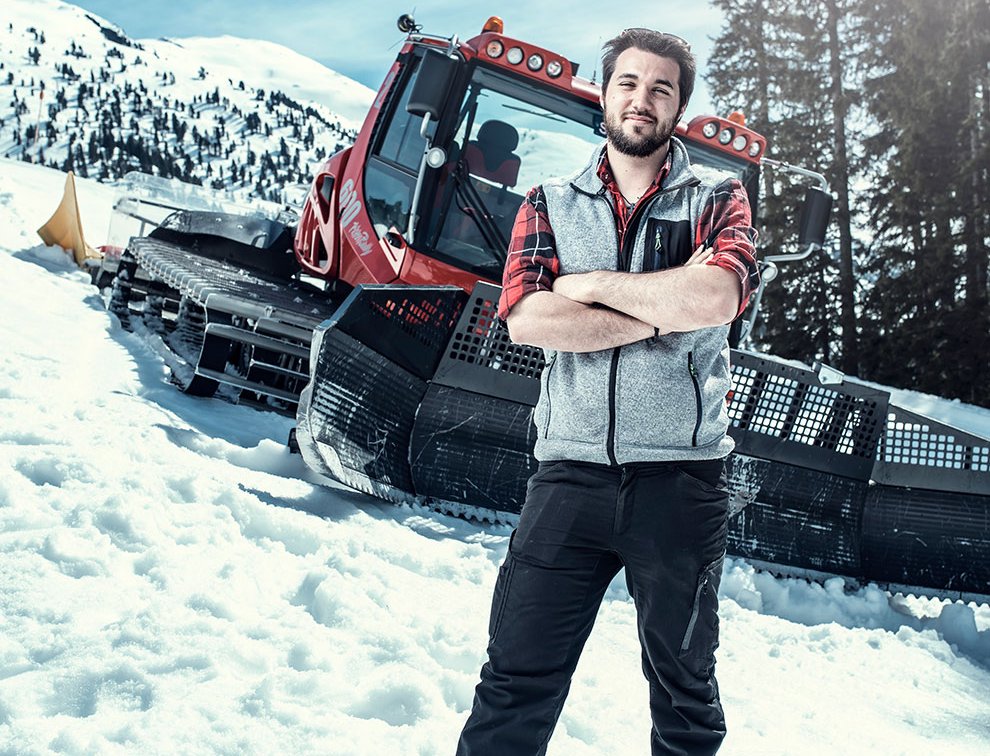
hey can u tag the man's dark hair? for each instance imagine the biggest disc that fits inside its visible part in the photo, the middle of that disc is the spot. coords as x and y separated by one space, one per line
658 43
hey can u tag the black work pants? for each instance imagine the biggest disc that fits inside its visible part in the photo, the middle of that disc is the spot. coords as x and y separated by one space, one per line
581 523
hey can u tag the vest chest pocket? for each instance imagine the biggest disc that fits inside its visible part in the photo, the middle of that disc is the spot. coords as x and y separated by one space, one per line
666 244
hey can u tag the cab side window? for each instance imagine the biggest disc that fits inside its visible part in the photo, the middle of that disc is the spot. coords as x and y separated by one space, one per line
390 175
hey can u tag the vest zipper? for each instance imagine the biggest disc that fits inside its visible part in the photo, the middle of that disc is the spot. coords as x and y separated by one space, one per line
622 265
612 374
697 398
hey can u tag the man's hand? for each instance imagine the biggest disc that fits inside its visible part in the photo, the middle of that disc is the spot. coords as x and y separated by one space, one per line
701 255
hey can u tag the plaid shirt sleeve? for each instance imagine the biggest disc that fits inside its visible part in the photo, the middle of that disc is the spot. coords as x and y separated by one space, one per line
531 264
726 225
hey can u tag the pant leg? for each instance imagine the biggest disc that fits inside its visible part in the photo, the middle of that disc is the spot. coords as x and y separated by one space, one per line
673 546
549 588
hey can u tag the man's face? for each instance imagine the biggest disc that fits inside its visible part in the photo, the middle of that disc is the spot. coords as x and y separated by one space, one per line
642 102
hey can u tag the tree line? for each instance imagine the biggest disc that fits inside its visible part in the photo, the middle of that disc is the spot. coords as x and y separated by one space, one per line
890 99
100 130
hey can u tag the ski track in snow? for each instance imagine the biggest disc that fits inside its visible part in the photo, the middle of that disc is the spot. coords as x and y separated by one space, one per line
173 580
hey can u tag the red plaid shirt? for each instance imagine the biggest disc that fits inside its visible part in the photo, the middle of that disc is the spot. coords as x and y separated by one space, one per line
532 263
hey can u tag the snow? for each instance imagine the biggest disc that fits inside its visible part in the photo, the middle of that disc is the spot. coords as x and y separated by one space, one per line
173 580
272 66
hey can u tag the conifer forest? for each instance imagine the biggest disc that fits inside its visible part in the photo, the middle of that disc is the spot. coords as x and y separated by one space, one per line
890 100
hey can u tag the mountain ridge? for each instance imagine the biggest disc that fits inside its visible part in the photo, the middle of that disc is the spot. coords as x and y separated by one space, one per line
247 117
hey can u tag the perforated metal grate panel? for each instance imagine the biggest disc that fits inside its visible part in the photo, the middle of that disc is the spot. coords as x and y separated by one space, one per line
912 440
425 317
794 409
408 325
481 339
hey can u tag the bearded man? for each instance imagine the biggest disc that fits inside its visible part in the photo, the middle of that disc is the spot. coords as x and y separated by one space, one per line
627 274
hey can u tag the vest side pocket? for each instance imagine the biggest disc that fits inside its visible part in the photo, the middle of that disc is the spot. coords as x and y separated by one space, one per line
549 372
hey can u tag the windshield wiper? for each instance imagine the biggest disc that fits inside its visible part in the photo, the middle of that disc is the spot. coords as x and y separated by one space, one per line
476 209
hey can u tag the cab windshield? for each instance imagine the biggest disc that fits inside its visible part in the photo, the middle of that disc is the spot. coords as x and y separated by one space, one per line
508 137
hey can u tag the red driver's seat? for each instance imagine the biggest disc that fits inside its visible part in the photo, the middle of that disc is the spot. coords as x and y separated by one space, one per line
491 155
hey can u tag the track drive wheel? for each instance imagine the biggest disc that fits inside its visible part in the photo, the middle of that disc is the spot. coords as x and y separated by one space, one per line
196 349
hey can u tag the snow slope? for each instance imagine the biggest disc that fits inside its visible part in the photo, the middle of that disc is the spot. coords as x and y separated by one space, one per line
172 580
272 66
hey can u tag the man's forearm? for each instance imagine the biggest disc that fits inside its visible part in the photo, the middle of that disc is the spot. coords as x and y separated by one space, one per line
551 321
676 300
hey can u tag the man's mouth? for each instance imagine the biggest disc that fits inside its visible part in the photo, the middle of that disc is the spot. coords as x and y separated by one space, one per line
638 118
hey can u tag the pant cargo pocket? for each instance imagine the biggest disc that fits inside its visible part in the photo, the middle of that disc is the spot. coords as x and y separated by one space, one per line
502 585
701 634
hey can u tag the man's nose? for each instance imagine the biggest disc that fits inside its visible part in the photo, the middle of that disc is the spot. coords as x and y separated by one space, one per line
640 99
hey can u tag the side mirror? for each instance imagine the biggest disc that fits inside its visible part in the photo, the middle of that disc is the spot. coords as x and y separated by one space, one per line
815 214
434 81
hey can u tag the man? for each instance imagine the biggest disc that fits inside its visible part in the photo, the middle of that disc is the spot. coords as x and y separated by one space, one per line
631 421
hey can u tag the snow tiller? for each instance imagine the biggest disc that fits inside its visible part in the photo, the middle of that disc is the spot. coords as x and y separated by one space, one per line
411 389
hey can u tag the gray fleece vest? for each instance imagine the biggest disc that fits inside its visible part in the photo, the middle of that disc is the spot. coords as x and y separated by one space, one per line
655 400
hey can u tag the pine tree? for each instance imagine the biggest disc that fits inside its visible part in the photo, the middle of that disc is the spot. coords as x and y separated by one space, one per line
768 63
927 91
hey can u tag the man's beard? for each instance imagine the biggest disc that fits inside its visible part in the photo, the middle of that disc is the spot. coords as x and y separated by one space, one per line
638 145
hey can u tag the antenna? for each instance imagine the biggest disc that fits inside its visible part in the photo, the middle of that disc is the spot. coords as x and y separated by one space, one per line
594 72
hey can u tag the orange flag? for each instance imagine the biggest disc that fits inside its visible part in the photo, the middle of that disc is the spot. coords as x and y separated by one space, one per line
64 228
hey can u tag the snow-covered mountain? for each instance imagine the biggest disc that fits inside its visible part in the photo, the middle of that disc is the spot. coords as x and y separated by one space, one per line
172 580
248 116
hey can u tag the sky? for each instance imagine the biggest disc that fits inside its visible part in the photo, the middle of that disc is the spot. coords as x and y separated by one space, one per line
173 580
362 46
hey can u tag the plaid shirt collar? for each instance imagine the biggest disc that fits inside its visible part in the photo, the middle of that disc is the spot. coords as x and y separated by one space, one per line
608 180
623 208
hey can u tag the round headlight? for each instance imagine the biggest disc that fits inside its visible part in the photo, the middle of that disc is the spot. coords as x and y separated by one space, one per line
754 149
495 49
710 129
435 157
535 62
725 136
515 55
554 69
739 143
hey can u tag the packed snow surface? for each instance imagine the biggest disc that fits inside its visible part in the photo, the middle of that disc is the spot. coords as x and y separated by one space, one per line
172 580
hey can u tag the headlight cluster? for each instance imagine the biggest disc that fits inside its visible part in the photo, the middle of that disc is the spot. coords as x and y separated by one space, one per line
727 136
516 55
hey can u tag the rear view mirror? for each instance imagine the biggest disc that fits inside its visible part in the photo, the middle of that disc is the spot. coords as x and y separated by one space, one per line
434 81
815 214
